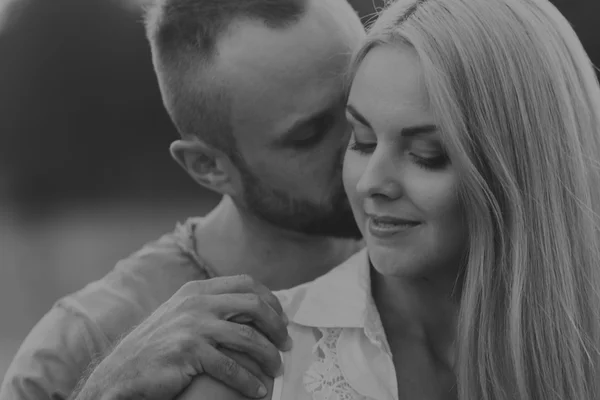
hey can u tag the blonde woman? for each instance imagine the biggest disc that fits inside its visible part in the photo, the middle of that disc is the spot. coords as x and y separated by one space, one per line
473 172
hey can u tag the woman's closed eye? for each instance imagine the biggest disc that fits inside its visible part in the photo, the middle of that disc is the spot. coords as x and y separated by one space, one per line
362 148
362 145
424 156
427 155
432 162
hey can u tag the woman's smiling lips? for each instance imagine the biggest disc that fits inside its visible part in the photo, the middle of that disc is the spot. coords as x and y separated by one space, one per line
384 226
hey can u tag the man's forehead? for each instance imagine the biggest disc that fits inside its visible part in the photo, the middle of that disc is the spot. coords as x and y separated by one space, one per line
323 39
274 77
255 50
274 106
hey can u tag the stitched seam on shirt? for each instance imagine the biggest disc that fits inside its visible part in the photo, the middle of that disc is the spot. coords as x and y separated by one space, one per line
69 308
185 239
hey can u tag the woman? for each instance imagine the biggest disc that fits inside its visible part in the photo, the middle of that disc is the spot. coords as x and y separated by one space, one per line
473 172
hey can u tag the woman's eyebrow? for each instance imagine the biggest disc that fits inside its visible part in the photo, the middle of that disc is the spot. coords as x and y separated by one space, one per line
357 116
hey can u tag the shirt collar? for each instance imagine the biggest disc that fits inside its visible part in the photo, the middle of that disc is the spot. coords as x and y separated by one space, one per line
339 299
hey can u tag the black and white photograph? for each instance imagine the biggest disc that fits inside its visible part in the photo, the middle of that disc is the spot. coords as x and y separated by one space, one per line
299 199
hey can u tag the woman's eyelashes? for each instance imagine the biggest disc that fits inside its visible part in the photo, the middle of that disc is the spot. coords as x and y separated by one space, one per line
433 163
428 154
362 148
431 159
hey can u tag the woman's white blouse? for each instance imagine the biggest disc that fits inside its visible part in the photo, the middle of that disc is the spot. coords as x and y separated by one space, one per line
340 351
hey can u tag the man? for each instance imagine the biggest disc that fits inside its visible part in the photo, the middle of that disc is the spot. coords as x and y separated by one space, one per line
256 89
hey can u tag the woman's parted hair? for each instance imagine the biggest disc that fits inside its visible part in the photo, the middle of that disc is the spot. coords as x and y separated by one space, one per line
518 103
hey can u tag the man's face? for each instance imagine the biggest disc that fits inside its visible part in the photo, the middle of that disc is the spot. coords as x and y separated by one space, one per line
288 117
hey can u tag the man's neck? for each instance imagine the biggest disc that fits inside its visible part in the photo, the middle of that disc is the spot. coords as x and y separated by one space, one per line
234 243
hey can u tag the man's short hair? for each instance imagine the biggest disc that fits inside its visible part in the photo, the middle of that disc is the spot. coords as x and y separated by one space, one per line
184 36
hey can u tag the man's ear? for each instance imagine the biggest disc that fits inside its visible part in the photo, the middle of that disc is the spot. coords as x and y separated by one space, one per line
206 165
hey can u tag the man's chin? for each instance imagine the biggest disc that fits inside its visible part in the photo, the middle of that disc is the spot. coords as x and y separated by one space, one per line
303 217
354 234
349 233
321 227
348 229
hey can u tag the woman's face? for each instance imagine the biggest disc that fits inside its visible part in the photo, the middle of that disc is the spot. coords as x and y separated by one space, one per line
400 182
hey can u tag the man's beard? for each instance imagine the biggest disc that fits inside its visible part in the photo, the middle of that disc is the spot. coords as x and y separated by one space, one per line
277 207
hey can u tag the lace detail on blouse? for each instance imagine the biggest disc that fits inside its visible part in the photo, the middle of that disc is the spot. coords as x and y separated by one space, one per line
324 379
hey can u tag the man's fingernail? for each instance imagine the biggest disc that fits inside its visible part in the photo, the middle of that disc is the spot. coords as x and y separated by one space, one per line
262 391
280 370
285 319
287 346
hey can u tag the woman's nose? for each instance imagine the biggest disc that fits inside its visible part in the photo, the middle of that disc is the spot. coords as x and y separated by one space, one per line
381 176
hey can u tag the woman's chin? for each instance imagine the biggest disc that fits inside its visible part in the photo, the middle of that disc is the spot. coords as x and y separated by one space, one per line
393 262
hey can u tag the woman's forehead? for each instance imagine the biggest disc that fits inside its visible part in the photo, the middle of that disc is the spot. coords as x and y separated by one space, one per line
389 82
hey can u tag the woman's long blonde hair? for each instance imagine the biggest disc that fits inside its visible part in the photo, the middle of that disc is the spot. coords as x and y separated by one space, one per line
519 105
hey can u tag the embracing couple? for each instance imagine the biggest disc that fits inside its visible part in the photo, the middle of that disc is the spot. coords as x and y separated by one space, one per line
459 139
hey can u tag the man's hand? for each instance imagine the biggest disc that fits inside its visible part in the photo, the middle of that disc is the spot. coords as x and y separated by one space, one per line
181 340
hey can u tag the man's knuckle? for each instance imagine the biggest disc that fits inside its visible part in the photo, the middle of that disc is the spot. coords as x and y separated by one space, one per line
245 280
197 287
247 332
188 287
257 287
255 301
185 304
228 367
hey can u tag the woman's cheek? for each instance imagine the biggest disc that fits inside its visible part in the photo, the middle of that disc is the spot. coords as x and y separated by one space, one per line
354 166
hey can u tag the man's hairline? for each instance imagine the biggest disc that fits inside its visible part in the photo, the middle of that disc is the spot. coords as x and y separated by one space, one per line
199 71
213 67
234 27
202 70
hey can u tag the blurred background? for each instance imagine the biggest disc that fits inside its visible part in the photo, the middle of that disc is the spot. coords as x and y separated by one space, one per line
85 173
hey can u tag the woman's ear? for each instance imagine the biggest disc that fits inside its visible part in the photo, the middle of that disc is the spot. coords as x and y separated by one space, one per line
208 166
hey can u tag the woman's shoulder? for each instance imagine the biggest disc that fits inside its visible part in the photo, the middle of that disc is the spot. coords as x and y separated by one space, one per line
318 311
205 387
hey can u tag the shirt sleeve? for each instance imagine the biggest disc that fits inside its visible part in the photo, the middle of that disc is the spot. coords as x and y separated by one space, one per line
86 324
53 357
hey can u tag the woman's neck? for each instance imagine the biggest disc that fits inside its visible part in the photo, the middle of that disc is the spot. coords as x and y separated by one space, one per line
424 310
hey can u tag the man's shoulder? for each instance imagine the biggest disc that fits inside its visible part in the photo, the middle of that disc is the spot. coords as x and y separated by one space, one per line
139 283
53 355
89 321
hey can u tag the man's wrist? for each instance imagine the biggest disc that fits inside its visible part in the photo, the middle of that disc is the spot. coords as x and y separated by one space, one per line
114 391
104 385
120 393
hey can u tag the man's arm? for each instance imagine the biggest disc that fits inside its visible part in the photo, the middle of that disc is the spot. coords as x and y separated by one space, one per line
52 357
182 339
185 338
88 371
